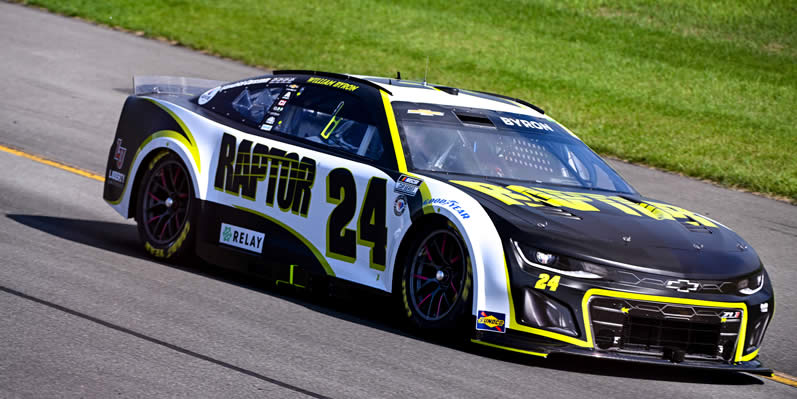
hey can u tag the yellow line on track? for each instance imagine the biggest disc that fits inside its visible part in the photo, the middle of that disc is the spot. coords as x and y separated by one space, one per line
58 165
784 379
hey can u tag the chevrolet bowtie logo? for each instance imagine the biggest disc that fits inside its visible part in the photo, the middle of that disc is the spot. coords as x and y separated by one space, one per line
683 285
426 112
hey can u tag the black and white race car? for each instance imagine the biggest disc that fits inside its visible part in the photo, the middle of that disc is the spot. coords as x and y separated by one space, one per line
463 204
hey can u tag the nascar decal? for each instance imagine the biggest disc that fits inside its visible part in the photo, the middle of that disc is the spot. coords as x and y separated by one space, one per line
451 204
538 196
290 179
490 321
240 237
408 185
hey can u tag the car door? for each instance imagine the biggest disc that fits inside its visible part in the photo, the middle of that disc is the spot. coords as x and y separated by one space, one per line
313 175
350 220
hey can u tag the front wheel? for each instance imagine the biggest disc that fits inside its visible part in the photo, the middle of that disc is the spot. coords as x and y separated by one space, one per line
163 211
436 282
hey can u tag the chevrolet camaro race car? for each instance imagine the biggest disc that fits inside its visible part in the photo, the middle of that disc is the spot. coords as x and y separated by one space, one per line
464 205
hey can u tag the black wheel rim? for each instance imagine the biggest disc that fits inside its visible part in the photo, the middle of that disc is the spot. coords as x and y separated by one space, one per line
437 275
166 202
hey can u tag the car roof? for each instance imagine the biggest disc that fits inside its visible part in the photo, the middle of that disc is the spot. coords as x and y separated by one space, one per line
419 92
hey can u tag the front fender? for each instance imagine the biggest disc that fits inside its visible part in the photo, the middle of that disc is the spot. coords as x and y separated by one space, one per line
490 278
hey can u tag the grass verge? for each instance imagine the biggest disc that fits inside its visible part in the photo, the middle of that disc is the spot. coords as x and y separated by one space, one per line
707 89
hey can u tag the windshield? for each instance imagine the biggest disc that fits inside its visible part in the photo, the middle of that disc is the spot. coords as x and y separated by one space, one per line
502 145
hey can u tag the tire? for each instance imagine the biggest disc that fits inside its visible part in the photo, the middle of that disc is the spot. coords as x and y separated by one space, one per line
164 207
436 282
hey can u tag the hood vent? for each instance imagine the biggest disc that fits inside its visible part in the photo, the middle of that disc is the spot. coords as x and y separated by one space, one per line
554 211
695 226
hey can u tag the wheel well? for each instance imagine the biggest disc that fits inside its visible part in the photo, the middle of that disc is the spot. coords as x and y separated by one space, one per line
424 224
131 205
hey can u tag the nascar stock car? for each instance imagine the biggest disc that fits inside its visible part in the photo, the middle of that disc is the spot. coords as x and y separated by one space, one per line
462 204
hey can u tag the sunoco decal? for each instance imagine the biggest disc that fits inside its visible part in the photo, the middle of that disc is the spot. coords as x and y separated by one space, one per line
240 237
490 321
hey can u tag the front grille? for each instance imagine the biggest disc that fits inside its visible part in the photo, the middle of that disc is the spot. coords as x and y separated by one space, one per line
659 329
646 333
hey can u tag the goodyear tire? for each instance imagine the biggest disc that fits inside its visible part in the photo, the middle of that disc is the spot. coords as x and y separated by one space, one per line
436 285
164 207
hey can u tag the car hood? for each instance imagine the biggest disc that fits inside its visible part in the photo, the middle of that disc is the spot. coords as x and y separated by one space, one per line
623 230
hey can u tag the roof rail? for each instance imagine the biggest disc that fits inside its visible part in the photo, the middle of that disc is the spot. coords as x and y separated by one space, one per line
331 75
517 100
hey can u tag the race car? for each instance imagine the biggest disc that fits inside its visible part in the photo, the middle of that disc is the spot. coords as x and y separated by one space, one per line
464 205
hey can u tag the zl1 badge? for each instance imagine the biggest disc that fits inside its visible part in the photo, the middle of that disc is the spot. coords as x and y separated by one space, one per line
490 321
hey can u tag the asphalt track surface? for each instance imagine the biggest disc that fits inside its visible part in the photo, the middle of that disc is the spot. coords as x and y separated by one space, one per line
84 313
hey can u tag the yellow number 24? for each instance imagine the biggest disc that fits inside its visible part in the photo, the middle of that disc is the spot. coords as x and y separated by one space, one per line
546 281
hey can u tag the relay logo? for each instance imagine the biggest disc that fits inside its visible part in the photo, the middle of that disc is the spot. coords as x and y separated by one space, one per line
240 237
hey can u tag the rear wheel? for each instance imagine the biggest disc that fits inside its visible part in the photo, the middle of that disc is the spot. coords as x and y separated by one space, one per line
163 211
436 281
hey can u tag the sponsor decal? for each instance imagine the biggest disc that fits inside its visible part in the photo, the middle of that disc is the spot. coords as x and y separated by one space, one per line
425 112
764 307
731 315
683 285
240 237
266 128
119 154
490 321
270 120
282 80
451 204
208 95
277 109
400 205
588 202
282 103
116 176
407 185
333 83
293 87
526 124
286 96
245 83
242 166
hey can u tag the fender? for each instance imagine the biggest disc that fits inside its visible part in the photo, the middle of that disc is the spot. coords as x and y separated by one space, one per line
167 130
482 240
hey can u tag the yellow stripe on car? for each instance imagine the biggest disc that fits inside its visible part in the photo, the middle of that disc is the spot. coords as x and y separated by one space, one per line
401 162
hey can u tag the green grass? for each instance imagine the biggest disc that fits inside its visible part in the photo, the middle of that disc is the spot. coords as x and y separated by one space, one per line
707 89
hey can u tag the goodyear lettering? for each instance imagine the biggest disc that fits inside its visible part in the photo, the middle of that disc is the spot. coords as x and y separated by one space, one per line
587 202
526 124
451 204
241 168
333 83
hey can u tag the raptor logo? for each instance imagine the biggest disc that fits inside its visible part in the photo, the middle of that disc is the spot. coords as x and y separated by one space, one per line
288 176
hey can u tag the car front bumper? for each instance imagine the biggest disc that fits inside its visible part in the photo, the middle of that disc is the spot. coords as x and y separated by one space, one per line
612 320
